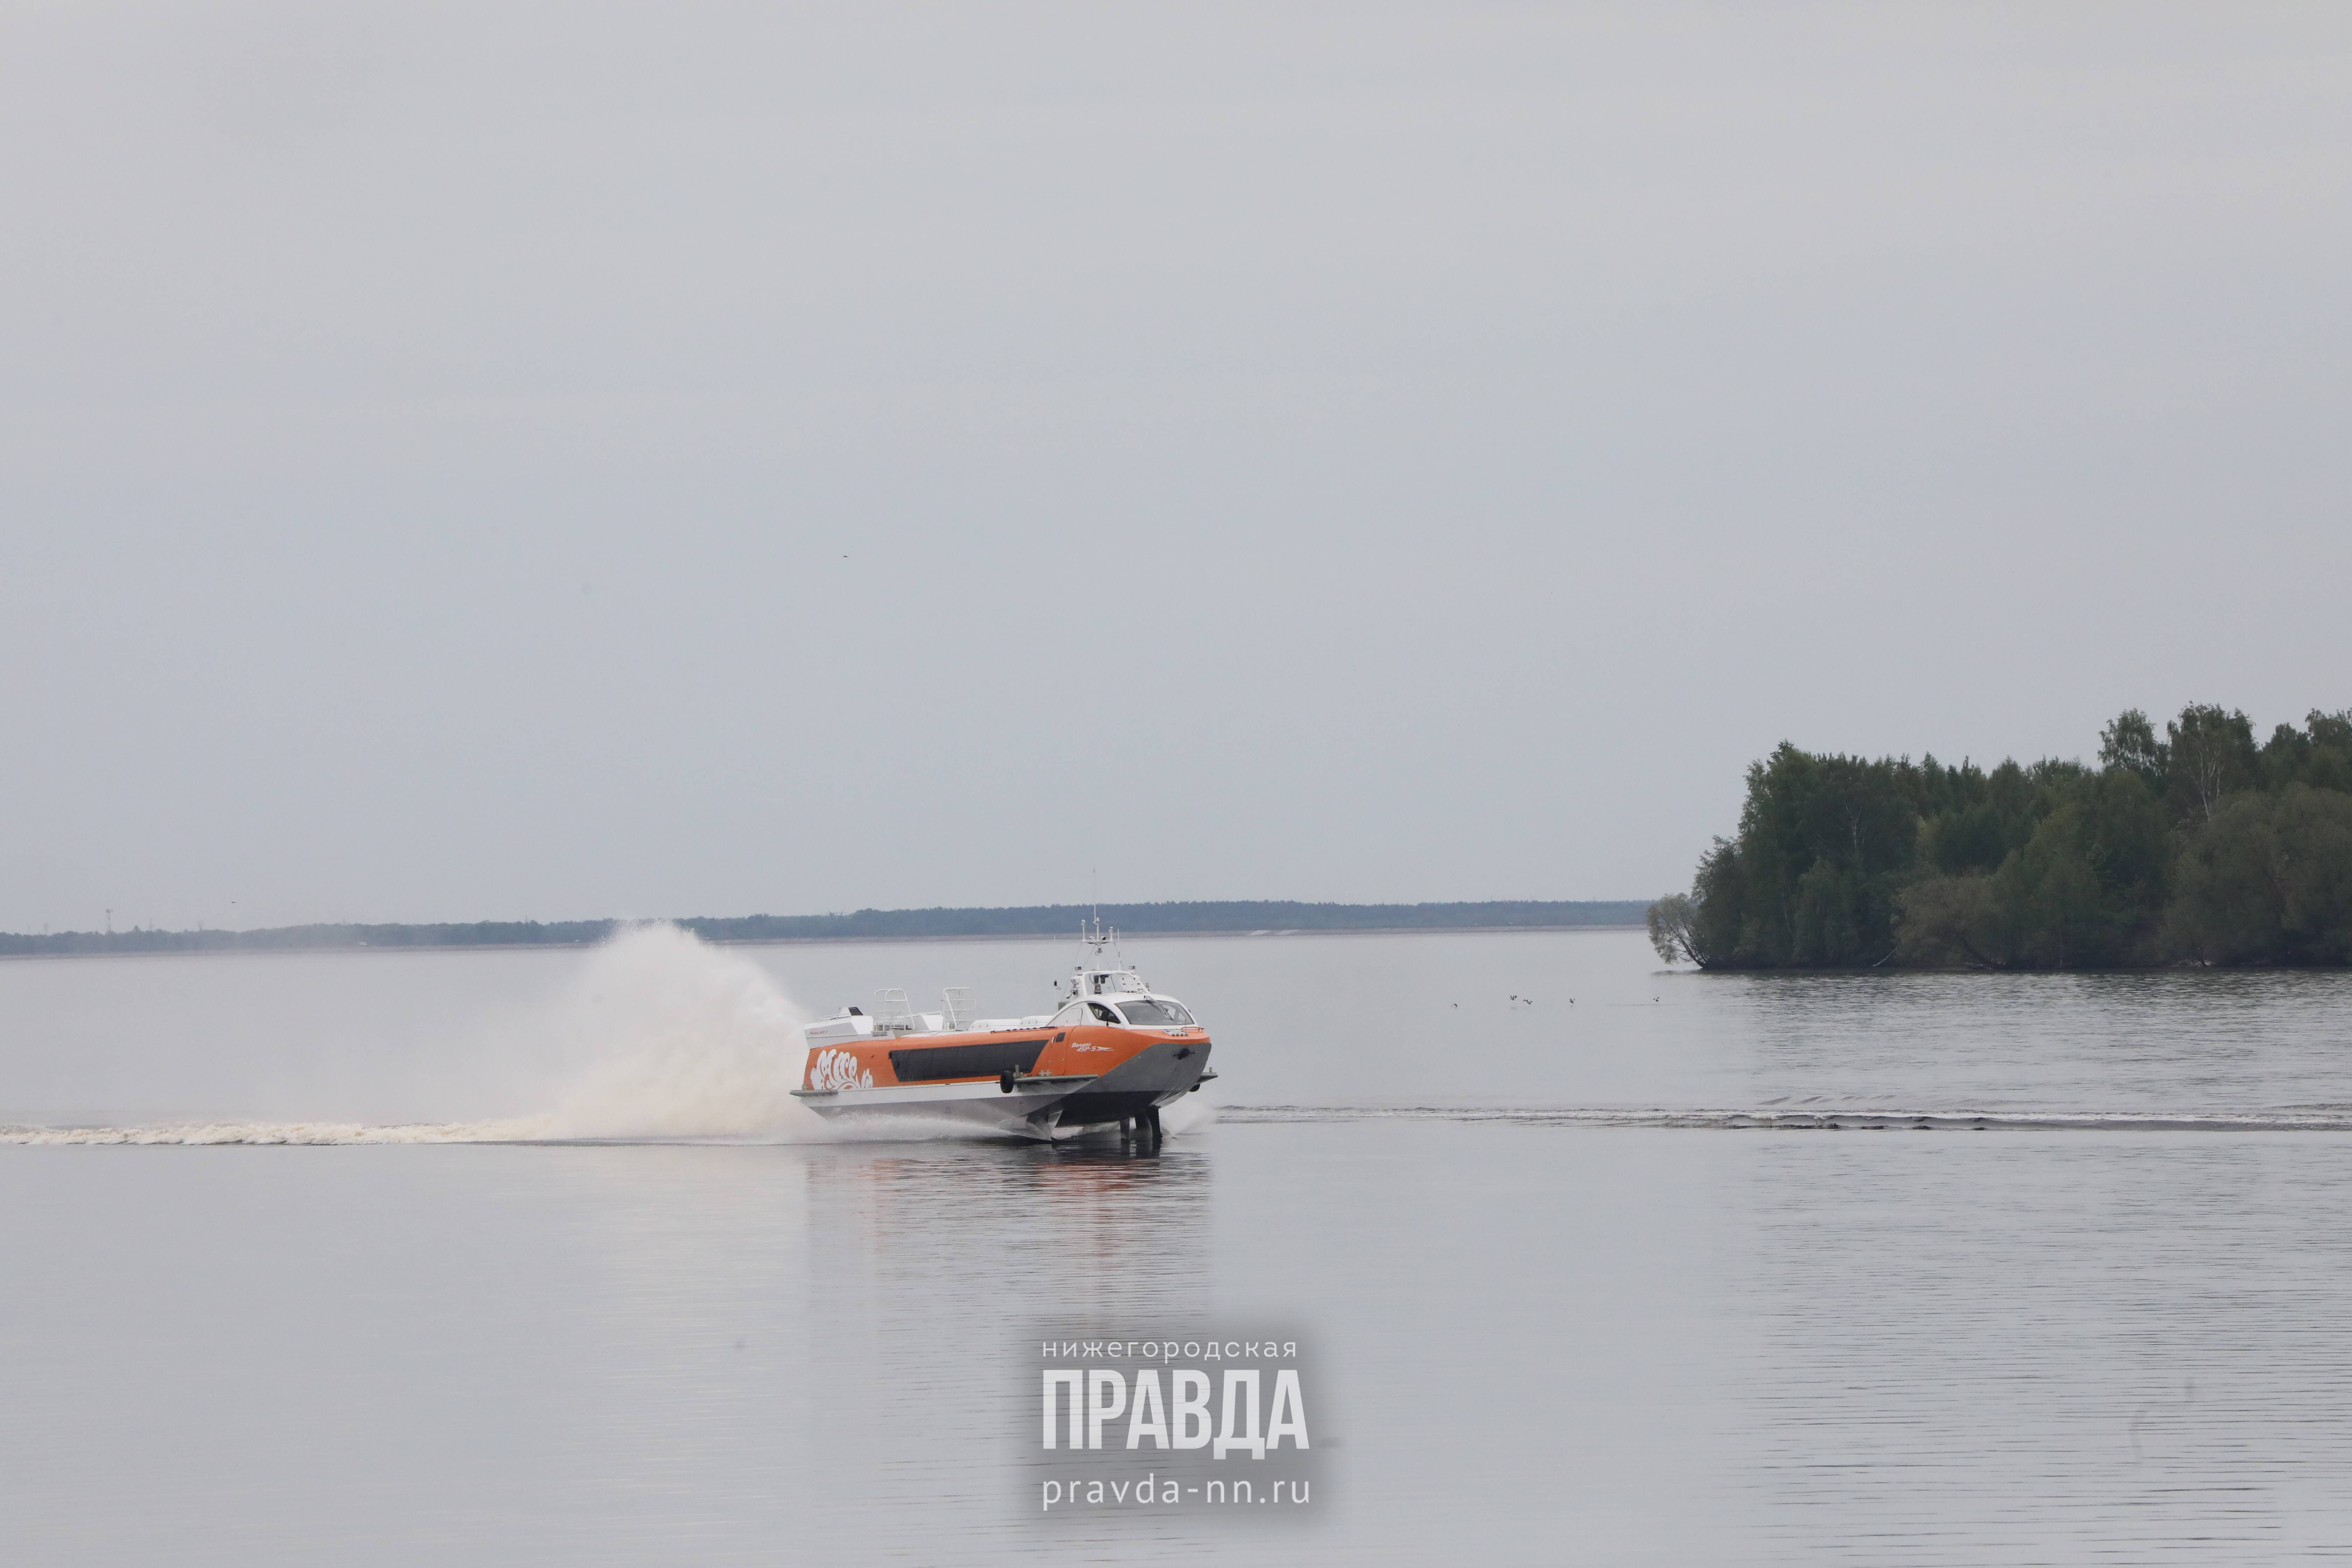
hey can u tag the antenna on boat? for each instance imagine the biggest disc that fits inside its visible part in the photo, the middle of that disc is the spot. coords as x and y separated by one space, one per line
1094 977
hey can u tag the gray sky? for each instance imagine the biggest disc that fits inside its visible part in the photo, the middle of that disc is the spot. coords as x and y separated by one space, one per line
511 460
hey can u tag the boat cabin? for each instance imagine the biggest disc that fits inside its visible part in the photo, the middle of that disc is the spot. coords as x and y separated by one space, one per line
1098 994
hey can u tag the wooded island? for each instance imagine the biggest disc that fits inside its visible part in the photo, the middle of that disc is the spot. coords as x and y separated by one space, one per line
2200 847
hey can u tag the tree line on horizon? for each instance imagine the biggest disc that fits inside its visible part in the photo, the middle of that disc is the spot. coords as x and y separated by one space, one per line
2201 846
868 925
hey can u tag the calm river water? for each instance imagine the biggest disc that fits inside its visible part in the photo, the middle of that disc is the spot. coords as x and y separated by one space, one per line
508 1258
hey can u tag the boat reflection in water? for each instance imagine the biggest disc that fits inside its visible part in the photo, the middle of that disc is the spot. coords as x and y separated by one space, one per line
933 1269
1095 1228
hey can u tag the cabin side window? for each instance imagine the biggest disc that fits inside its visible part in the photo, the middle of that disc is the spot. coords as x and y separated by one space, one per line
1153 1012
1102 1014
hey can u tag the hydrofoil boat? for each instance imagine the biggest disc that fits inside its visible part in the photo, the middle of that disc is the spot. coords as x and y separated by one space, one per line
1112 1053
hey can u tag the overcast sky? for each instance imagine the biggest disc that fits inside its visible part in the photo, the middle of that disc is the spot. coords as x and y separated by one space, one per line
511 460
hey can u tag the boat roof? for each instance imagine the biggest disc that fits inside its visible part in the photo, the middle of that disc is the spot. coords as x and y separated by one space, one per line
1122 982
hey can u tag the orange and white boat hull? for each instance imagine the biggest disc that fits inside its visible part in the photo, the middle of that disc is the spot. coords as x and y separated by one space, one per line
1042 1082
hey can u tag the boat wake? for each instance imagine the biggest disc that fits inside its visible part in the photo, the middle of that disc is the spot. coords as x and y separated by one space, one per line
321 1132
2289 1118
534 1130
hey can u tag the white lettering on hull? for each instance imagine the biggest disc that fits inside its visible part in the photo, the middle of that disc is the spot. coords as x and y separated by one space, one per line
836 1070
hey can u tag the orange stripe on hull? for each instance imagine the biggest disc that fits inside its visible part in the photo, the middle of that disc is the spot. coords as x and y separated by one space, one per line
1086 1051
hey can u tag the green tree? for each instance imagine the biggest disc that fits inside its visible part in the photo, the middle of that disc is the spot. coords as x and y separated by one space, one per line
2269 880
1671 922
1984 818
2130 743
1955 920
1720 894
1824 844
2210 755
2319 754
2049 899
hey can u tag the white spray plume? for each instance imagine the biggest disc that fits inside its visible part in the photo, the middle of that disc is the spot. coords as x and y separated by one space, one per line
679 1040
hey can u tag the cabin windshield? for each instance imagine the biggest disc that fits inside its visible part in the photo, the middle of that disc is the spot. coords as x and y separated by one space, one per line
1154 1011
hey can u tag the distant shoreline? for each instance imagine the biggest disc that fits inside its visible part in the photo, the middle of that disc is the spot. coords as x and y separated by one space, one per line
1032 923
